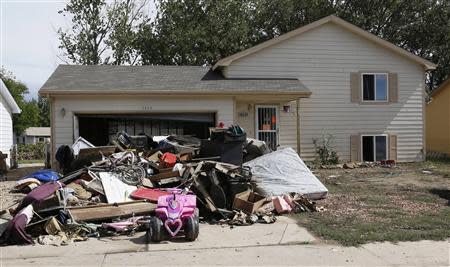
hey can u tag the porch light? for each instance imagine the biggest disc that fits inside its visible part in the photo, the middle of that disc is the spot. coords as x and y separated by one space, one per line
287 108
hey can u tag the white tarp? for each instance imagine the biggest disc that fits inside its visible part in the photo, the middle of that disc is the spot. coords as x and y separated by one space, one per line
116 191
283 171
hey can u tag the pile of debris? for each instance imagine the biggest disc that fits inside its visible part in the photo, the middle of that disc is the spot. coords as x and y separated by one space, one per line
116 189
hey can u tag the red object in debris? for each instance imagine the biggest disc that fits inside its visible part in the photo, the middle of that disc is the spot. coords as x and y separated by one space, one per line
388 163
221 125
148 193
168 160
281 206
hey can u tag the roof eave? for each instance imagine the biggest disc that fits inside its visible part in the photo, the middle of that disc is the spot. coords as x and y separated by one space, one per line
9 99
44 92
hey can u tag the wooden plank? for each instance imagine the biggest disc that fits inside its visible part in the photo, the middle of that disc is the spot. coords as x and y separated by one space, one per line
110 211
164 175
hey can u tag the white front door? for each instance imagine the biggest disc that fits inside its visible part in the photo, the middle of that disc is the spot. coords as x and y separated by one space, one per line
267 125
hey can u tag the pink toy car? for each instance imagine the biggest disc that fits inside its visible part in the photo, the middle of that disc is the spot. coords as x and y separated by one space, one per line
176 213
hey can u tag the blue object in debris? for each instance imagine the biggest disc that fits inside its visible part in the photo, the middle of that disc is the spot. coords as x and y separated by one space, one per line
44 175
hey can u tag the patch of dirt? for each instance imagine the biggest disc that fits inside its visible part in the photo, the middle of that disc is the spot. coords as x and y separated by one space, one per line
8 198
16 174
367 194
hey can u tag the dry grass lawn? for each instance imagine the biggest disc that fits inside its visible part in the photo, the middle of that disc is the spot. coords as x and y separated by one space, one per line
406 203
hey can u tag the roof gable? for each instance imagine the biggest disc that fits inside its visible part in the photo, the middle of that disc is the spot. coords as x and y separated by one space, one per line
330 19
4 92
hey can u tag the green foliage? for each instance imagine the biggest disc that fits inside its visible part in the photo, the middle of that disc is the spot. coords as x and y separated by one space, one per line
195 32
30 115
325 153
44 112
102 32
31 151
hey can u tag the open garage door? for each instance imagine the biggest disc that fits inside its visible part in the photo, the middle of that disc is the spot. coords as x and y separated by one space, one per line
100 129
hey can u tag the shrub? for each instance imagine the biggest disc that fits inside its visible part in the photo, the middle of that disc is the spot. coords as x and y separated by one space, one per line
31 151
325 153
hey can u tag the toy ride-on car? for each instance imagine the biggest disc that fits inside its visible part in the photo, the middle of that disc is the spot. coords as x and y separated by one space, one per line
176 215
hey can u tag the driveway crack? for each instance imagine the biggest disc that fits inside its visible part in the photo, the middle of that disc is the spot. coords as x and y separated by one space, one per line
282 236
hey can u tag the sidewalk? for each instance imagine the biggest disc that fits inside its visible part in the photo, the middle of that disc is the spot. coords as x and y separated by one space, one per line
282 243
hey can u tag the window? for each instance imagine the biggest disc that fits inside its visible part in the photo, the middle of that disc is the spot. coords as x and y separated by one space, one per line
375 87
374 147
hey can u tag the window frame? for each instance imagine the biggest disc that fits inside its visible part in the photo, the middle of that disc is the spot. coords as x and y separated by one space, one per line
374 146
374 87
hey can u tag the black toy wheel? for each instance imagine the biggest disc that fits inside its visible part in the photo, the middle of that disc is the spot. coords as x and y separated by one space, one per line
191 229
156 232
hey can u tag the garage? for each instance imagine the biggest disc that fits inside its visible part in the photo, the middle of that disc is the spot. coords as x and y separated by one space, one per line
101 129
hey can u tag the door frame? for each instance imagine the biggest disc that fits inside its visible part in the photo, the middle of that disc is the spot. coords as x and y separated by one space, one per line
277 130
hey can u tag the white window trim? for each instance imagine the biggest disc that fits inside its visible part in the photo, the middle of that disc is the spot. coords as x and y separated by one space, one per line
374 145
375 87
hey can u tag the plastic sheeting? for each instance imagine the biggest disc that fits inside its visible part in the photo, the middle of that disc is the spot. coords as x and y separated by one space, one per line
282 172
44 175
116 191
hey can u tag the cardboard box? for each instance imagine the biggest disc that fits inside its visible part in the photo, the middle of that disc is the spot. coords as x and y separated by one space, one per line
248 201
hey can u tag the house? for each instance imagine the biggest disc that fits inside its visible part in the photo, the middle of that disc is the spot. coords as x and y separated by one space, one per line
328 77
7 107
438 123
33 135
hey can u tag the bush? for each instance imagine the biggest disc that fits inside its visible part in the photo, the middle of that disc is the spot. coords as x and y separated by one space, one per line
31 151
325 153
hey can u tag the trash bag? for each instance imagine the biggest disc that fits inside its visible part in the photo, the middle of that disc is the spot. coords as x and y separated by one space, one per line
44 175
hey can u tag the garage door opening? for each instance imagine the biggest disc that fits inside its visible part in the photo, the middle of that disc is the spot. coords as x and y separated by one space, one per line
101 129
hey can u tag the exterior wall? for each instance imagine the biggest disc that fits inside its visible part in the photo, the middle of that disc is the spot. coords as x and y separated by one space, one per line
31 139
287 124
323 60
6 129
63 126
438 123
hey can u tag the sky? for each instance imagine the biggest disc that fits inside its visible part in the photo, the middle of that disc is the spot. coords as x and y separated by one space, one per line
28 39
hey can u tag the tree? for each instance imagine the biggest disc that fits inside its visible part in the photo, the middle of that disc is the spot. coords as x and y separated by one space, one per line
44 112
193 32
30 112
101 33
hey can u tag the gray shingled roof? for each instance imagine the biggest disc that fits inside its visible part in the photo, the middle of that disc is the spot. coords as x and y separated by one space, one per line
149 79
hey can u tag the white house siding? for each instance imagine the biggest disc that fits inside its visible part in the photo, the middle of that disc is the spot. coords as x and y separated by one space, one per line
63 125
6 130
323 60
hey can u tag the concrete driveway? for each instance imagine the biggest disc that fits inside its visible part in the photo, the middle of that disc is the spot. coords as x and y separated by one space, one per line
282 243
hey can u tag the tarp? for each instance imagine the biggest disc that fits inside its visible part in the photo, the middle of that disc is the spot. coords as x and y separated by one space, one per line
44 175
283 171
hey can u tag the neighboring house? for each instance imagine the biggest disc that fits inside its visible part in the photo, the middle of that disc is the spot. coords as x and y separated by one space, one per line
33 135
437 120
329 77
7 107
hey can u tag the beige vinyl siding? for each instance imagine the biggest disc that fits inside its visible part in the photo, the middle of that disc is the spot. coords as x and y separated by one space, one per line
6 129
63 126
323 60
288 126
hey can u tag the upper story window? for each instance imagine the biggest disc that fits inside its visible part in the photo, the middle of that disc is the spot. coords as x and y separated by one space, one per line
375 87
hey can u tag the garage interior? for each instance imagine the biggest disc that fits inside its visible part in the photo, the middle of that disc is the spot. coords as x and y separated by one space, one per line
101 129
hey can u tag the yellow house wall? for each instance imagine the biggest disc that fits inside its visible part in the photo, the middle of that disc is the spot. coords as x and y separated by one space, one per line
438 122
